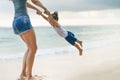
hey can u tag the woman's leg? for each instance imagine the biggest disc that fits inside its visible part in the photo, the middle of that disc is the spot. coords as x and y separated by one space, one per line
30 40
79 49
23 73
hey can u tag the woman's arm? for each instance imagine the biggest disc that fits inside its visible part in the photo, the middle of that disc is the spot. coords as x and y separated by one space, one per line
38 11
31 6
38 3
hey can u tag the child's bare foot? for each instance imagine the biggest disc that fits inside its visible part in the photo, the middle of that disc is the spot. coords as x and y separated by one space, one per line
80 52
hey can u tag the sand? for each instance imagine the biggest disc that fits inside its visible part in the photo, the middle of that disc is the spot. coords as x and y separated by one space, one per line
96 64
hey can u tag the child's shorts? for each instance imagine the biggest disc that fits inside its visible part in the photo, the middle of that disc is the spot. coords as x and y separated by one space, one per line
71 38
21 24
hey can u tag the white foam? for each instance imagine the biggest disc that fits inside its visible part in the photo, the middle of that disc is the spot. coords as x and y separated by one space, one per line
60 50
40 52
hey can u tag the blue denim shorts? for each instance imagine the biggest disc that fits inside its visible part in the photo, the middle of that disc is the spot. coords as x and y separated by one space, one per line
71 38
21 24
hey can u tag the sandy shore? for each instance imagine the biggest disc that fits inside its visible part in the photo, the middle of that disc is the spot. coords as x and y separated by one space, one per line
96 64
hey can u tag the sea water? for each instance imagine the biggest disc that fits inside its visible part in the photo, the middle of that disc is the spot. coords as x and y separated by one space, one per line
49 42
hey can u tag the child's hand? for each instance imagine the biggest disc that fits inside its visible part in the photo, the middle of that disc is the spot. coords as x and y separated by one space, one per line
39 12
47 12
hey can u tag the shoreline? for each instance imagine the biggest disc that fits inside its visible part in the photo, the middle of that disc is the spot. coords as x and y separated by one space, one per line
96 64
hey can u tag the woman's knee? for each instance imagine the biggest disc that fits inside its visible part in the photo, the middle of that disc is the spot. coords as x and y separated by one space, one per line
33 49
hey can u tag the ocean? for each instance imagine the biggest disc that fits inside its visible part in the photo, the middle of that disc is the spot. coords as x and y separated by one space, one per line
49 42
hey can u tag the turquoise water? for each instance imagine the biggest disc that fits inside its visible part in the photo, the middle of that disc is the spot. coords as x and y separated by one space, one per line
11 46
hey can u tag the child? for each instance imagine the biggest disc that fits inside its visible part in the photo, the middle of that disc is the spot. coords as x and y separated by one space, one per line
69 36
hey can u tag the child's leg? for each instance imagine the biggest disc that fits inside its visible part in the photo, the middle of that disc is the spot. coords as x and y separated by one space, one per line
79 49
80 42
71 39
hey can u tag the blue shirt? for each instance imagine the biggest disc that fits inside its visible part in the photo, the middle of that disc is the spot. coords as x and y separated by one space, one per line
20 7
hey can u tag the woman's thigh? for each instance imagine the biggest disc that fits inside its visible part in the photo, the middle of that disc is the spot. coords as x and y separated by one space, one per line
29 38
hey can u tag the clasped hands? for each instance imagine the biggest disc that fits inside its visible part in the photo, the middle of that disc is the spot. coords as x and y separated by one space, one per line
45 12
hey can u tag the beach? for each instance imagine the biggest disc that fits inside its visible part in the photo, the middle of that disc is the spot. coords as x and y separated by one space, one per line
96 64
94 22
58 60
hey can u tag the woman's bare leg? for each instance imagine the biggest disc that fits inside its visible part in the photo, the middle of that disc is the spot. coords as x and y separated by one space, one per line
23 73
30 40
79 49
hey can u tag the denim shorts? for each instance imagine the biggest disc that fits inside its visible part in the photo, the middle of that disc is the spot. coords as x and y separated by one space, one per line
21 24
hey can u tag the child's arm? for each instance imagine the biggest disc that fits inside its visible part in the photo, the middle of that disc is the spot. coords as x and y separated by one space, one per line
40 13
46 18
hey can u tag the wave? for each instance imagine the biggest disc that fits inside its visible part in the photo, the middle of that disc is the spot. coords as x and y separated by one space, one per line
60 50
40 52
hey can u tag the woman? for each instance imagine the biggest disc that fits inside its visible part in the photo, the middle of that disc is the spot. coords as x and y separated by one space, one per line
22 27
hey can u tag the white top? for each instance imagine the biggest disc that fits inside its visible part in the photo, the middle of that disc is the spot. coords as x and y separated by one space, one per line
61 31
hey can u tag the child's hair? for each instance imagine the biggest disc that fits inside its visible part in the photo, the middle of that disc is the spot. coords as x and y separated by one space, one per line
55 15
